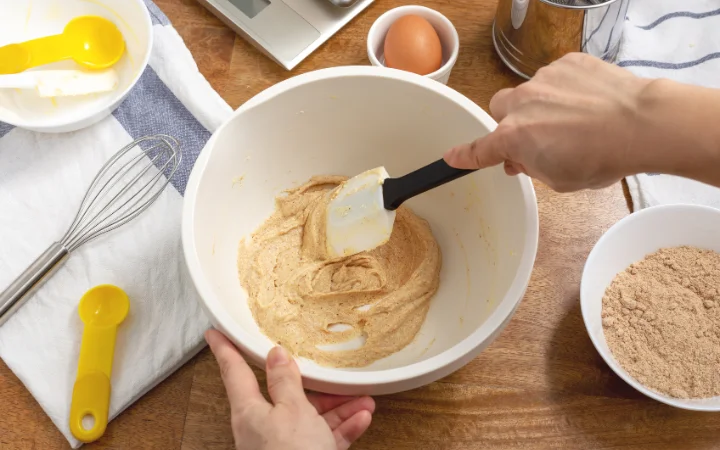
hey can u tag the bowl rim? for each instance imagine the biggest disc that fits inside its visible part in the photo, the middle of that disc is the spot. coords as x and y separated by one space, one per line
609 359
469 346
82 115
409 10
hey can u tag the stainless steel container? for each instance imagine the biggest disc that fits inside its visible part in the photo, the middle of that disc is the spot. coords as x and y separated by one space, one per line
530 34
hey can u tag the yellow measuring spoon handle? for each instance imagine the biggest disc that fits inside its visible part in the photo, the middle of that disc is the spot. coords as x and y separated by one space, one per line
16 58
97 349
46 50
91 393
13 59
91 398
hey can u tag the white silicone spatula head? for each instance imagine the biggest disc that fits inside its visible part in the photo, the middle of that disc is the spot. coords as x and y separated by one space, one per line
361 212
356 216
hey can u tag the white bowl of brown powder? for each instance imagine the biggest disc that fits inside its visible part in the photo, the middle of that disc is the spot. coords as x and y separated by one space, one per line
650 300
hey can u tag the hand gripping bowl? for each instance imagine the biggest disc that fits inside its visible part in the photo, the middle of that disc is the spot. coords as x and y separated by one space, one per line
343 121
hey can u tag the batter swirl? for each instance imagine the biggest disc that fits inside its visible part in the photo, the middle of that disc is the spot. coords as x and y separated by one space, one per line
296 294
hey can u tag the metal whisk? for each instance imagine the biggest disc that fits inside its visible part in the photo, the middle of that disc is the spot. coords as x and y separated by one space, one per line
128 183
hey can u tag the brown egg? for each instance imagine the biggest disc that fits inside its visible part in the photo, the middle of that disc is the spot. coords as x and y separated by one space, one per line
413 45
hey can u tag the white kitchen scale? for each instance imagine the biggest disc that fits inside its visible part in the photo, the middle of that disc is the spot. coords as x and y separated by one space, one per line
286 30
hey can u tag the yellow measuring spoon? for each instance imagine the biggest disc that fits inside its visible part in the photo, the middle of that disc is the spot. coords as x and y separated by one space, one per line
101 309
92 41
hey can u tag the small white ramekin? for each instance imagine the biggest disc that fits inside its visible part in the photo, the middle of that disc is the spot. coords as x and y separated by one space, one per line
446 31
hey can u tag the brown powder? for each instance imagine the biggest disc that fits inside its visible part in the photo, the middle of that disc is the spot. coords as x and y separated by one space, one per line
661 318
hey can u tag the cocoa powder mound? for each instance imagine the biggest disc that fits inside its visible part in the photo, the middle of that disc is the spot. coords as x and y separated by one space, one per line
661 318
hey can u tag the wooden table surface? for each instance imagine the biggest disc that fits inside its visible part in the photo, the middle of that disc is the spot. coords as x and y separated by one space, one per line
541 384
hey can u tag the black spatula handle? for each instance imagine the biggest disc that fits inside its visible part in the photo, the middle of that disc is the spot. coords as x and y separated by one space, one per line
398 190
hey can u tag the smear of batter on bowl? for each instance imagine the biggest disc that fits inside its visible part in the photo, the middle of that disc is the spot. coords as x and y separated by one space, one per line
27 16
238 180
303 300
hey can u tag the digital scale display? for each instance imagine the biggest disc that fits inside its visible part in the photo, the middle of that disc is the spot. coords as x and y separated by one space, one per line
287 31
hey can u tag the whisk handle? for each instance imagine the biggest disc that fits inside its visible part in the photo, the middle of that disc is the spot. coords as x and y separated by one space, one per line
15 295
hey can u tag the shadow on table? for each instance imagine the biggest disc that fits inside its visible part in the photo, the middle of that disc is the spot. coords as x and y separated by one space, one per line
606 411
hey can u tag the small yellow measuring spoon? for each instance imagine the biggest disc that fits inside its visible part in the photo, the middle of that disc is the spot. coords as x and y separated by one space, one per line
101 309
92 41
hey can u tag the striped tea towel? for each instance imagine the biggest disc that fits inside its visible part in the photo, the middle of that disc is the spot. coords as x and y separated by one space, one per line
679 40
42 180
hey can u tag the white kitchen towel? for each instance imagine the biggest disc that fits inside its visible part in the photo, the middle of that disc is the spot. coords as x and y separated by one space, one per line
679 40
43 177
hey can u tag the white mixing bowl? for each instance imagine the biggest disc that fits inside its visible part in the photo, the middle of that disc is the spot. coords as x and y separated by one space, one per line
629 241
343 121
21 20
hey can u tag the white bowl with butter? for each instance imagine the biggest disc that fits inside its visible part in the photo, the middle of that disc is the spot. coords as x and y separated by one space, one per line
23 20
342 121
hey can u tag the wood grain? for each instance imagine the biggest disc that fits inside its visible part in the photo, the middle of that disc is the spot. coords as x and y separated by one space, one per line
540 385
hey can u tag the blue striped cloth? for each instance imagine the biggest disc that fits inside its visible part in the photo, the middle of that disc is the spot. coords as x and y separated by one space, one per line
43 177
679 40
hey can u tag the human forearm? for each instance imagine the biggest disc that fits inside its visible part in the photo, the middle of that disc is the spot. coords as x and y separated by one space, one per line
583 123
678 131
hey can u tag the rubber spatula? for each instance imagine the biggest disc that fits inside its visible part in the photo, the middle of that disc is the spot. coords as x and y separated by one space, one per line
361 212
